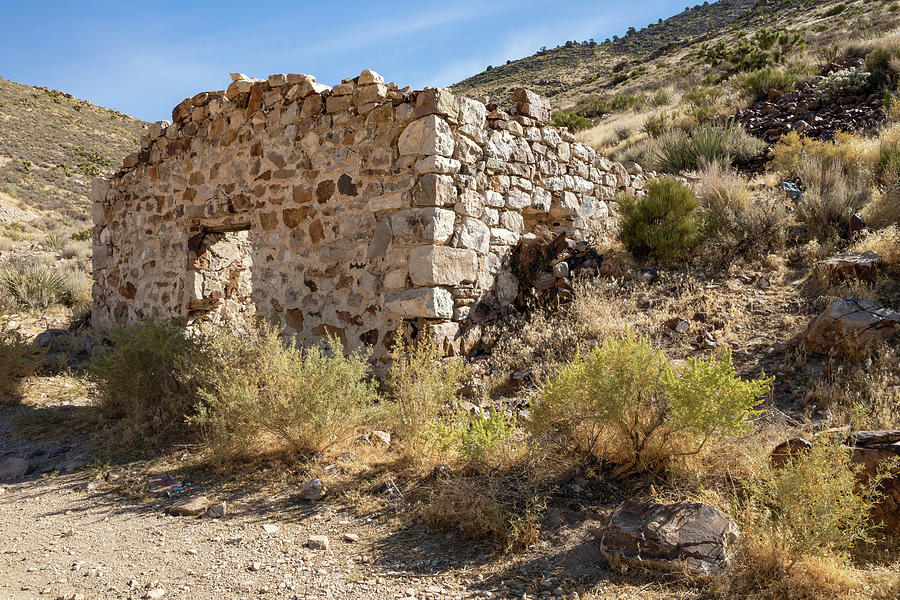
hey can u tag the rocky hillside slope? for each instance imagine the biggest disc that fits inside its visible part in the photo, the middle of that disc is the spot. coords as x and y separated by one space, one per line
650 57
52 145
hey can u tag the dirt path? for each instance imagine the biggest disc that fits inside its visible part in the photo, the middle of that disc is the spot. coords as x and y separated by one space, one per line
73 535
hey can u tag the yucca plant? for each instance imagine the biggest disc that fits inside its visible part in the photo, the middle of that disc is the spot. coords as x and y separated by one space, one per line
35 286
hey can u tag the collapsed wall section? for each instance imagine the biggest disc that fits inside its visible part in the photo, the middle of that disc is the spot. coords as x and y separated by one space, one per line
349 211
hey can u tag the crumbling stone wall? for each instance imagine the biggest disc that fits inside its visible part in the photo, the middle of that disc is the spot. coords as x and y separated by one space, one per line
348 211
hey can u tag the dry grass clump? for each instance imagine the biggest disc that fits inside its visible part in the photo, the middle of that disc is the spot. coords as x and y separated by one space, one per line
863 394
831 197
541 342
18 360
500 511
886 242
144 384
260 392
423 386
739 222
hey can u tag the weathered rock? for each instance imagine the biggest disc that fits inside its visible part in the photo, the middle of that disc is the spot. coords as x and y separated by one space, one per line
442 265
849 325
676 325
853 266
191 508
313 490
216 511
686 536
12 468
317 542
429 135
382 436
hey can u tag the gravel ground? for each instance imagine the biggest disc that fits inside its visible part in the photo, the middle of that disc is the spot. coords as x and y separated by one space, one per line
67 533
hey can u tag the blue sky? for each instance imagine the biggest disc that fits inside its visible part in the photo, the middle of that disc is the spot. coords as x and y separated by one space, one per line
142 58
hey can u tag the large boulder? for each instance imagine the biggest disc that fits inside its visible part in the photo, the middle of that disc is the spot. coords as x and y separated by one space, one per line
862 266
849 325
687 536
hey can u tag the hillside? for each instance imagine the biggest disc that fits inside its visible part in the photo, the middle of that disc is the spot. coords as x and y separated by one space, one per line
663 53
52 145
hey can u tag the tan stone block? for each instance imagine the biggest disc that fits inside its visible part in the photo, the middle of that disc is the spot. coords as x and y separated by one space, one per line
423 225
434 190
475 235
442 265
336 104
436 101
368 77
429 303
428 135
365 94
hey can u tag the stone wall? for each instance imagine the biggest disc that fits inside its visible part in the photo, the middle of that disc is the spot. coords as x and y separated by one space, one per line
348 211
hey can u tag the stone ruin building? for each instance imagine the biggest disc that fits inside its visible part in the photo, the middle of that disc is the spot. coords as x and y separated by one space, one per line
349 211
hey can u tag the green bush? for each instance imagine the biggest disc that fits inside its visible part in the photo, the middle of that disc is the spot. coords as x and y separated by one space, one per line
835 10
655 125
144 381
477 442
759 83
423 385
663 225
682 151
571 120
19 359
815 504
36 286
625 402
260 392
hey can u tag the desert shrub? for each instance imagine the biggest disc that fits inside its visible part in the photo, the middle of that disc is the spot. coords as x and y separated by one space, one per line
883 210
814 504
20 359
83 235
880 63
738 222
831 197
889 162
854 156
475 442
624 402
663 225
660 98
759 83
423 386
845 82
767 47
683 151
262 392
655 125
571 120
35 286
835 10
144 380
643 152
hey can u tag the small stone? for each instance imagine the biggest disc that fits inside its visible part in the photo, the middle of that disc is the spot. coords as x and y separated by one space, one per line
256 566
677 325
191 508
351 537
269 528
313 490
318 542
12 468
382 436
216 511
156 593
